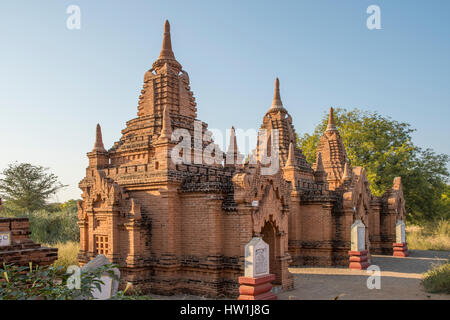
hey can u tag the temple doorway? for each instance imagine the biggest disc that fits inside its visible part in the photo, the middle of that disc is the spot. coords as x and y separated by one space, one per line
271 235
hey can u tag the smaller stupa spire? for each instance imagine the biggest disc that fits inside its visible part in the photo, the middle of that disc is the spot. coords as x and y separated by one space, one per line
291 156
319 163
320 174
166 131
331 125
98 146
166 51
347 174
276 102
233 156
232 147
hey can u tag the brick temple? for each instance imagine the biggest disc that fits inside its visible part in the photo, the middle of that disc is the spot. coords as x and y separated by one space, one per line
181 227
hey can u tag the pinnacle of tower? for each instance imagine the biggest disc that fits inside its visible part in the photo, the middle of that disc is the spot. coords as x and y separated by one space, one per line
291 156
331 125
166 131
276 102
347 174
166 51
166 56
98 146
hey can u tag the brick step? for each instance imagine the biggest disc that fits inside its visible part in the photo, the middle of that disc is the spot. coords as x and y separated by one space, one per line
26 251
40 256
21 246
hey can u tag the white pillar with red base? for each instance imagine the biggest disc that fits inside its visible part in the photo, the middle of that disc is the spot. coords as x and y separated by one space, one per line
400 247
358 254
400 250
257 281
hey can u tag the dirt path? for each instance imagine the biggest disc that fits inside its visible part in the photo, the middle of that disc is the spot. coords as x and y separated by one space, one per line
400 279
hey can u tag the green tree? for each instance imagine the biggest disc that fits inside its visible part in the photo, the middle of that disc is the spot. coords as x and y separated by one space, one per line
384 147
26 188
70 206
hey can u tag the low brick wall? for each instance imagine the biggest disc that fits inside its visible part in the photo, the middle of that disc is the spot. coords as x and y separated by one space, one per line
22 250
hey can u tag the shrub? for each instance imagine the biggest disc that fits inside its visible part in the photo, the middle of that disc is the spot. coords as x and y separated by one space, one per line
54 227
437 280
57 223
48 283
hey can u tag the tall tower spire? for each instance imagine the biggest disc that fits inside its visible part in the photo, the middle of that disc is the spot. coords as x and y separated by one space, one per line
276 102
98 146
331 125
166 84
166 51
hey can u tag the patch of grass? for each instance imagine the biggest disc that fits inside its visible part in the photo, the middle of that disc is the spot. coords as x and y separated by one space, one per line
431 236
67 253
437 279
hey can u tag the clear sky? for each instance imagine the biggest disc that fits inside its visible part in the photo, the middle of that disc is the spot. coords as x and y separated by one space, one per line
56 84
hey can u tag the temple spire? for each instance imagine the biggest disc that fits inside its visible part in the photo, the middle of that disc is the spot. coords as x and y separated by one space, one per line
98 146
319 163
232 147
320 174
233 156
166 51
331 125
291 156
346 176
276 102
166 131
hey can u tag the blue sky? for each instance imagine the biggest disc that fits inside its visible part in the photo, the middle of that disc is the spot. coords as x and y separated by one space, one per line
56 83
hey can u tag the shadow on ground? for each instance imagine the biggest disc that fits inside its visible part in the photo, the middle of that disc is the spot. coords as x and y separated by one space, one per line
419 261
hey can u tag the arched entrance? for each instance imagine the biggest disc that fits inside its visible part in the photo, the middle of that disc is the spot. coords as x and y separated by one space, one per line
264 199
271 235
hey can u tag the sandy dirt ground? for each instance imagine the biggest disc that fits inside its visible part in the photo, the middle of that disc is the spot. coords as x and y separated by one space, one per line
400 280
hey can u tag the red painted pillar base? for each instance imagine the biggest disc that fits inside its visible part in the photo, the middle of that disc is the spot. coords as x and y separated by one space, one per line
256 288
400 249
358 260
